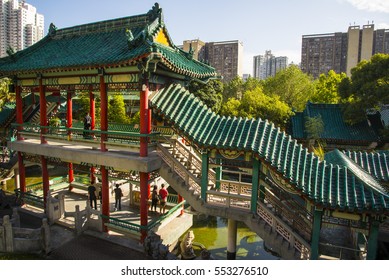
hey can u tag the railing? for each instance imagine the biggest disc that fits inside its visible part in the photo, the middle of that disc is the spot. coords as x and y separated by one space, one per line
289 215
52 182
24 197
63 133
285 231
135 229
231 194
191 180
192 160
341 250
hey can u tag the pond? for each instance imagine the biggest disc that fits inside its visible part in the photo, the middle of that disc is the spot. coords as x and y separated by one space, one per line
211 232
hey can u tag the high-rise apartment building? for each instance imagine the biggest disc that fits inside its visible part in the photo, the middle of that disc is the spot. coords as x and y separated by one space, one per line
20 25
226 57
341 51
268 65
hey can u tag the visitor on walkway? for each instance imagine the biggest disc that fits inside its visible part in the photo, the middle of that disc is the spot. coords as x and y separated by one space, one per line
92 196
87 124
118 198
154 199
163 193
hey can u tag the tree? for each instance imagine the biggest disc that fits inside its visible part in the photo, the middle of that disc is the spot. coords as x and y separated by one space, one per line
292 86
326 88
367 88
255 104
117 110
210 93
5 95
233 89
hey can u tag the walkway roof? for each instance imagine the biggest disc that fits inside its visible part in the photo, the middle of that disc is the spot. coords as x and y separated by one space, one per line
329 185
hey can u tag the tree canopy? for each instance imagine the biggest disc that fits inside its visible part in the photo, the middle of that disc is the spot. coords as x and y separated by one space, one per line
292 86
367 88
210 93
5 95
327 88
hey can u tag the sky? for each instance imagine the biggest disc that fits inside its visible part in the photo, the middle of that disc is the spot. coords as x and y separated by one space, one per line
276 25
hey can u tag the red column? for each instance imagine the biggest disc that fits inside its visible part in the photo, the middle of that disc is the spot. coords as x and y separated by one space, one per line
69 124
104 194
143 184
104 112
145 118
45 179
71 174
181 199
145 128
69 111
92 174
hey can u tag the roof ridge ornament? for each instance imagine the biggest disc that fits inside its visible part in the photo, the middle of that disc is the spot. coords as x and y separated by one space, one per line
155 12
52 29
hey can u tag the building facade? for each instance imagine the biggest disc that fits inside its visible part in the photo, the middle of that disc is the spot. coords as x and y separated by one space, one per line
341 51
268 65
226 57
20 25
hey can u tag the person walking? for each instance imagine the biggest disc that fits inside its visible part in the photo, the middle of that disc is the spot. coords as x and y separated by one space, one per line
154 199
118 197
163 193
92 196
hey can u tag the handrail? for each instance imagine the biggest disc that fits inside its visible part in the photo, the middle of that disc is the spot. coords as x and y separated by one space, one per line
136 227
188 177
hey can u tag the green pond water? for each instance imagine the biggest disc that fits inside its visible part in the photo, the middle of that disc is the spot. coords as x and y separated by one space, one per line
212 233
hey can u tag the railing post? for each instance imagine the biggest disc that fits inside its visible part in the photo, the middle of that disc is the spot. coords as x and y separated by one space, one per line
317 216
372 241
218 173
204 175
255 183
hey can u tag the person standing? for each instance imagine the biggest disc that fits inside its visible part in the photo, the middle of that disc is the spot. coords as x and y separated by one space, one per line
154 199
118 198
87 124
92 196
163 193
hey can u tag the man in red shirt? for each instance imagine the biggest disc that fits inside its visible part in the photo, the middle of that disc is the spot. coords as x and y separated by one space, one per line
163 193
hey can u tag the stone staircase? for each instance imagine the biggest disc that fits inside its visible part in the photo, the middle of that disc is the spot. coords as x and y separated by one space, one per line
181 168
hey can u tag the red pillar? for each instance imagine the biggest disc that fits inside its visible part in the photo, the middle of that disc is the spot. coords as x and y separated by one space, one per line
104 112
181 199
92 174
145 128
71 174
45 179
69 123
104 194
144 179
69 111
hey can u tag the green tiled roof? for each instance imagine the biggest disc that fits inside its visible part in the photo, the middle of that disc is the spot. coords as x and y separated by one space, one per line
335 128
328 185
108 43
375 163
